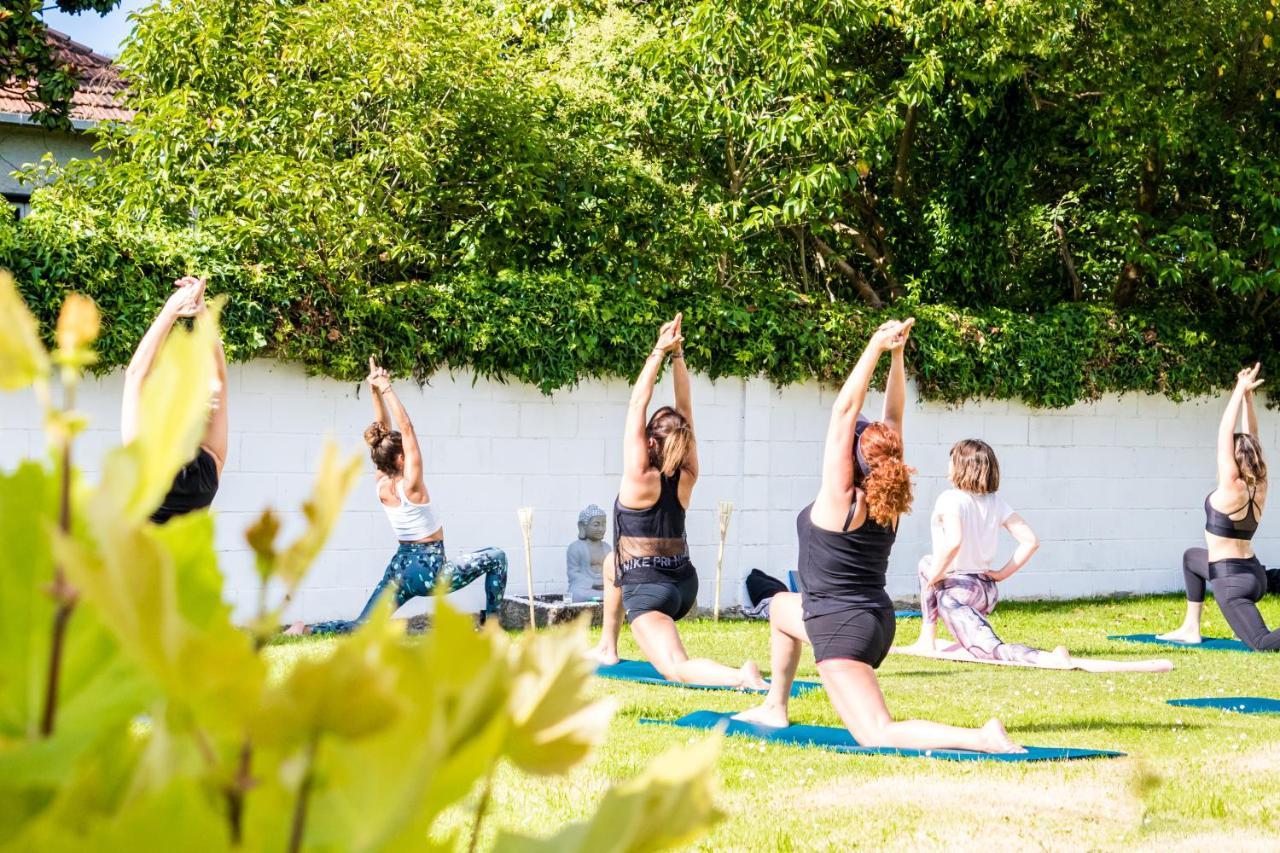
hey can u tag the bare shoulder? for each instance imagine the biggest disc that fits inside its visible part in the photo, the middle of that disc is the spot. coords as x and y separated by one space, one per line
640 490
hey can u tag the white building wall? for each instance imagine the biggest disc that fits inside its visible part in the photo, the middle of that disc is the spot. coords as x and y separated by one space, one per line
1113 488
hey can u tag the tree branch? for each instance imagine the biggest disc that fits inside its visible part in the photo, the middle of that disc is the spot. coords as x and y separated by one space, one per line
1077 288
864 289
905 142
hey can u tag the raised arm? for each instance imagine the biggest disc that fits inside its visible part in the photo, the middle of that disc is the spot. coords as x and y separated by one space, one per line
185 301
380 413
1028 543
895 392
1246 380
1250 415
215 433
635 446
684 405
412 473
835 495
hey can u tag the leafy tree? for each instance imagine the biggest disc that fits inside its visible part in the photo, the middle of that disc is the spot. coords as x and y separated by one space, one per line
131 707
525 187
25 55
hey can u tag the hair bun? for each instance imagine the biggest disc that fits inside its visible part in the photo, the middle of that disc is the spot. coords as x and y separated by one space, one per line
375 433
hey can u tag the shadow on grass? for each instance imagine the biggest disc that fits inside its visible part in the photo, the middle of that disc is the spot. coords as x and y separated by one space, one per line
1097 724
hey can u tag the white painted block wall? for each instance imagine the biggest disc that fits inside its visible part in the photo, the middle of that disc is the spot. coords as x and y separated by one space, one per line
1114 488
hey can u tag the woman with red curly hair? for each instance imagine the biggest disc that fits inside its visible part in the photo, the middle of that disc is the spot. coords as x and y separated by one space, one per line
845 536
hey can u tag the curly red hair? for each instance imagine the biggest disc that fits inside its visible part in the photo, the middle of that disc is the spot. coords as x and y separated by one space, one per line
888 485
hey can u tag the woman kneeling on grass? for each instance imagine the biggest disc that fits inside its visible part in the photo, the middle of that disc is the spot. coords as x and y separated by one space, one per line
957 581
845 536
649 574
419 563
1232 513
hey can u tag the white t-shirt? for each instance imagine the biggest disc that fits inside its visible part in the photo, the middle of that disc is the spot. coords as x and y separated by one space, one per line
981 517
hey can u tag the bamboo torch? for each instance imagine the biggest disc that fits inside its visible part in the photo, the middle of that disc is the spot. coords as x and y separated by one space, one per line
726 512
526 527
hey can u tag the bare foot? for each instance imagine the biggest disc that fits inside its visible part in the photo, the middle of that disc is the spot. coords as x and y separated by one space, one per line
605 655
773 716
921 647
996 739
1182 635
297 629
1063 654
751 677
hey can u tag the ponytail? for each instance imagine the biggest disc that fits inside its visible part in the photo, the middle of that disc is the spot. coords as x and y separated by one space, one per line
675 442
1248 453
888 485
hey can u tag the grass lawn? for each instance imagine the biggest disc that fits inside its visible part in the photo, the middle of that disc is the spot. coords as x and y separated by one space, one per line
1193 778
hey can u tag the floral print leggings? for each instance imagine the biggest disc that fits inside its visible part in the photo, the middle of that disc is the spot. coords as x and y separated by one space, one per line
418 567
963 602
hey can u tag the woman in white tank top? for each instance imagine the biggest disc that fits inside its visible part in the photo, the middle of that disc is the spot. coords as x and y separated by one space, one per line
419 564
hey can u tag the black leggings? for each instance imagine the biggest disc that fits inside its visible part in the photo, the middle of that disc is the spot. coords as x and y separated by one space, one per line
1238 586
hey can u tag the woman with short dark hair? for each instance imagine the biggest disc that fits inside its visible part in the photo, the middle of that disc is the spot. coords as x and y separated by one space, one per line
958 580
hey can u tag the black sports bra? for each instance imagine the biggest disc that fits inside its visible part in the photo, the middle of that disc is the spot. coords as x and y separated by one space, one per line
1222 524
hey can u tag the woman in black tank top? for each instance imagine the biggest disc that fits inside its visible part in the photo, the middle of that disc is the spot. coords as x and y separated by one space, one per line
649 574
195 484
845 538
1227 560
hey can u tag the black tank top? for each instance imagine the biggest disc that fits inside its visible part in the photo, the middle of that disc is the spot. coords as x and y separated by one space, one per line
1222 524
843 570
649 544
194 487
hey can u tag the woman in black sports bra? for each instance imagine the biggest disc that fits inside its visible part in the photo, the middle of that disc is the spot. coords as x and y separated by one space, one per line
846 536
649 575
196 483
1228 562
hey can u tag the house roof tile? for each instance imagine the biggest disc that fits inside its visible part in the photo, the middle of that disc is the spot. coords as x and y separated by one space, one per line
99 96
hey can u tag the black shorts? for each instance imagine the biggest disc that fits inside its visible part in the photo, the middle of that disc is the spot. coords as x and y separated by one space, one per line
861 634
674 598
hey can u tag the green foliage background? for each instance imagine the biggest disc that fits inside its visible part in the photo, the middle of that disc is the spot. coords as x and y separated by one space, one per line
1072 198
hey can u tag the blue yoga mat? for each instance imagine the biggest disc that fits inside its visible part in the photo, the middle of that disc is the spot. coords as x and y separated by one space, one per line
645 673
907 614
1236 704
839 740
1212 644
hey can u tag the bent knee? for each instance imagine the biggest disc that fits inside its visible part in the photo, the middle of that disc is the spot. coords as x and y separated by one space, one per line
875 736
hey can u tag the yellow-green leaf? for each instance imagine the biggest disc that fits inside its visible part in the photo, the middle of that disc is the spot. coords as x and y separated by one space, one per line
669 805
22 356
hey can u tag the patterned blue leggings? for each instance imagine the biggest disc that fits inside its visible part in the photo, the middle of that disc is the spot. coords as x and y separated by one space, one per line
418 567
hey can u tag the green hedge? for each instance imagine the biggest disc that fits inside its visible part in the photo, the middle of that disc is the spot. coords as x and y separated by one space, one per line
550 329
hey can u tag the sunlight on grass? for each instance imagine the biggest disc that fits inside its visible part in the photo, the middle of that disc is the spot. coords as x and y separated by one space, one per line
1193 779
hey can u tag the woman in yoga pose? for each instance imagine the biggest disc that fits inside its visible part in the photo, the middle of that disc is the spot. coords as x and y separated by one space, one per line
419 563
957 581
845 538
649 574
196 483
1232 512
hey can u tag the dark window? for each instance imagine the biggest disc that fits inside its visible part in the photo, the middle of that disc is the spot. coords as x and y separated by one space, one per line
19 203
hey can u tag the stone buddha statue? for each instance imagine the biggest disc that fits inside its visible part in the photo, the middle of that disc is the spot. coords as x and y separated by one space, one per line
584 559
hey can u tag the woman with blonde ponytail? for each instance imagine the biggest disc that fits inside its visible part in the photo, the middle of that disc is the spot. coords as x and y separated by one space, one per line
1232 512
649 575
845 536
